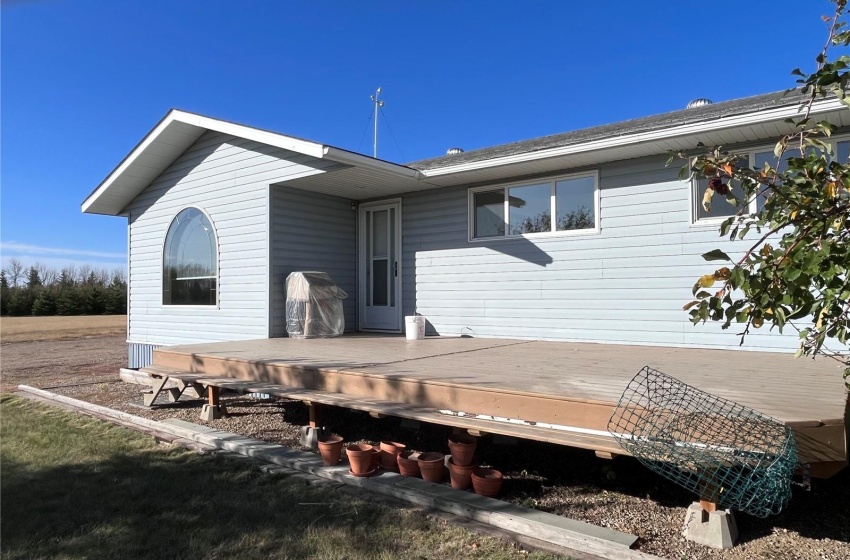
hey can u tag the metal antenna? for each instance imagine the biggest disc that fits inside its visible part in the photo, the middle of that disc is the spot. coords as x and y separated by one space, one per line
378 105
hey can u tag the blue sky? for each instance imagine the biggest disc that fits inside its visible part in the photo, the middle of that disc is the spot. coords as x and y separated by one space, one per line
83 81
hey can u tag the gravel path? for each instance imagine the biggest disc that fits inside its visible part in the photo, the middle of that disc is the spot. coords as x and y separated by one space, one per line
620 494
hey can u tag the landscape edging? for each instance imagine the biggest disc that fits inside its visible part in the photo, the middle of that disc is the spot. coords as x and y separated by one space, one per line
434 496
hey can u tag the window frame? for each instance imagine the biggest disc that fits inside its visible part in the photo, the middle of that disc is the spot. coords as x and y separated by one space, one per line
695 199
553 207
217 304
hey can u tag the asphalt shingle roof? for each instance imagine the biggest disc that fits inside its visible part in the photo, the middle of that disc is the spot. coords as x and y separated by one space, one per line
645 124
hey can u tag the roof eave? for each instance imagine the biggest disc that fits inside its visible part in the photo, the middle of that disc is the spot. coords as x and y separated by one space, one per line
715 124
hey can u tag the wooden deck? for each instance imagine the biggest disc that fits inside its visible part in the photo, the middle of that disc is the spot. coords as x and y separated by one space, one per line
571 386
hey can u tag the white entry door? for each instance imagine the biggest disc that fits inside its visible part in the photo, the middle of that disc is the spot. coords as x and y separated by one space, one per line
380 275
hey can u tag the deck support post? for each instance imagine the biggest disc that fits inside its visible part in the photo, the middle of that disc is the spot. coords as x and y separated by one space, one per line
213 410
311 433
706 524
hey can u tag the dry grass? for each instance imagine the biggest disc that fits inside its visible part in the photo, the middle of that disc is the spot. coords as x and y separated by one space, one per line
74 487
28 329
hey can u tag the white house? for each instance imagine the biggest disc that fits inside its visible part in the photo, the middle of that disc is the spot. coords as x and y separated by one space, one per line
584 236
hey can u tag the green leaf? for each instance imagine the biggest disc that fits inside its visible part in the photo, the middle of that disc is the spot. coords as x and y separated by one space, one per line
716 255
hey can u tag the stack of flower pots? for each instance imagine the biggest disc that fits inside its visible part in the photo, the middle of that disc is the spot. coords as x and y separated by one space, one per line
462 460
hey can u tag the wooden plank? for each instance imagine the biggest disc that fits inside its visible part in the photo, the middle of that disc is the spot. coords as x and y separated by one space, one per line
570 384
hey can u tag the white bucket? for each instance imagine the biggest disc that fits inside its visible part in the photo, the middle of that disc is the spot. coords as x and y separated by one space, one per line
414 327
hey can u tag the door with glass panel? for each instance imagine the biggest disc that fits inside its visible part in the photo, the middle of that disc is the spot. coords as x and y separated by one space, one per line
380 275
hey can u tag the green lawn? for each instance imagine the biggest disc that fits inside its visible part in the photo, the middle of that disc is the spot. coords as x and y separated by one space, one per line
76 487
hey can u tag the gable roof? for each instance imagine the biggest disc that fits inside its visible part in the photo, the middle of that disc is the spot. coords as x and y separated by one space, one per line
178 130
359 177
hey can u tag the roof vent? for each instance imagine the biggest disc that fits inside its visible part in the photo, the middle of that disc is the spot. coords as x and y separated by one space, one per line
454 151
701 102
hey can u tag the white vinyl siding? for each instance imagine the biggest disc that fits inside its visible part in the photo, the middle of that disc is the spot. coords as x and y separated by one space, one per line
625 285
228 178
312 232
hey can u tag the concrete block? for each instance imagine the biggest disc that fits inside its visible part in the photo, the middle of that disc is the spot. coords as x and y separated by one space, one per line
212 412
716 529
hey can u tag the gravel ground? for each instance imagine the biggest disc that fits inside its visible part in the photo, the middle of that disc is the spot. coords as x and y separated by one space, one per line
620 494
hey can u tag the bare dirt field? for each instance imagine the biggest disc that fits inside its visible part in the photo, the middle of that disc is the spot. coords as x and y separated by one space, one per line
23 329
620 494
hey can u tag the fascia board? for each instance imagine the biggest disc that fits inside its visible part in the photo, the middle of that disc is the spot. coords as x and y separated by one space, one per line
359 160
263 136
273 139
625 140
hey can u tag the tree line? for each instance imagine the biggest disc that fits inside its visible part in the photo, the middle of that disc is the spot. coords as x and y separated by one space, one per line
81 290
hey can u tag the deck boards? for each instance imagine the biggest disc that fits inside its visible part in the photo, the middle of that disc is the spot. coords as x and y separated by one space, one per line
792 390
570 386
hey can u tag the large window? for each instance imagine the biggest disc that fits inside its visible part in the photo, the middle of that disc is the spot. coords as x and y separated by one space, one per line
568 204
190 259
754 159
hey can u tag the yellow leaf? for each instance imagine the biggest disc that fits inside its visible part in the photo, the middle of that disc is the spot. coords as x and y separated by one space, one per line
706 198
706 281
831 189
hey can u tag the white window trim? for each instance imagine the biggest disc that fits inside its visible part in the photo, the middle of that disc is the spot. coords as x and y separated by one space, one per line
470 204
753 207
217 265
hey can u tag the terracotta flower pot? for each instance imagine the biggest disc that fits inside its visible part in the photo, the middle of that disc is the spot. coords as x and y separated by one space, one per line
462 448
360 458
376 458
461 477
389 454
431 466
330 448
408 463
487 482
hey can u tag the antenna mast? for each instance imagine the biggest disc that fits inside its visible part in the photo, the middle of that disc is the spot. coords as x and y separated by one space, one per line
378 105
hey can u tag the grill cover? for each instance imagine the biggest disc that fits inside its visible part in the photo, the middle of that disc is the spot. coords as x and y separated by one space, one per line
313 306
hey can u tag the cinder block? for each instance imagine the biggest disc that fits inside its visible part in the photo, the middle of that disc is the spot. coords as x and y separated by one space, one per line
716 529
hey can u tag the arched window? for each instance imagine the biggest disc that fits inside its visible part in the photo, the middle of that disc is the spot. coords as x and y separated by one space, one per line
190 258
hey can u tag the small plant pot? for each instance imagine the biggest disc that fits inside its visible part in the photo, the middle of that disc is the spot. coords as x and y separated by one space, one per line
408 463
487 482
376 458
389 454
462 449
360 457
330 447
461 477
431 466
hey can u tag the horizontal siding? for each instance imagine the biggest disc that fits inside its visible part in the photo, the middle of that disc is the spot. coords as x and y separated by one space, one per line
626 284
229 179
312 231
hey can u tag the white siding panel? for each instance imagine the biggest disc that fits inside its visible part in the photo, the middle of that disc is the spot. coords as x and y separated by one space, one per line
312 231
626 284
229 179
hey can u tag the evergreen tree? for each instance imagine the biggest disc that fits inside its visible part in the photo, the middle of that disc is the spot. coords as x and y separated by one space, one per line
33 279
5 292
45 303
67 302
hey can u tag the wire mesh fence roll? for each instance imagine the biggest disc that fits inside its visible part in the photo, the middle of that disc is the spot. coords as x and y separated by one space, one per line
724 452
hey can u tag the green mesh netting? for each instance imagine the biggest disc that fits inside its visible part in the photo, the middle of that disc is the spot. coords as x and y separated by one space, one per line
724 452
